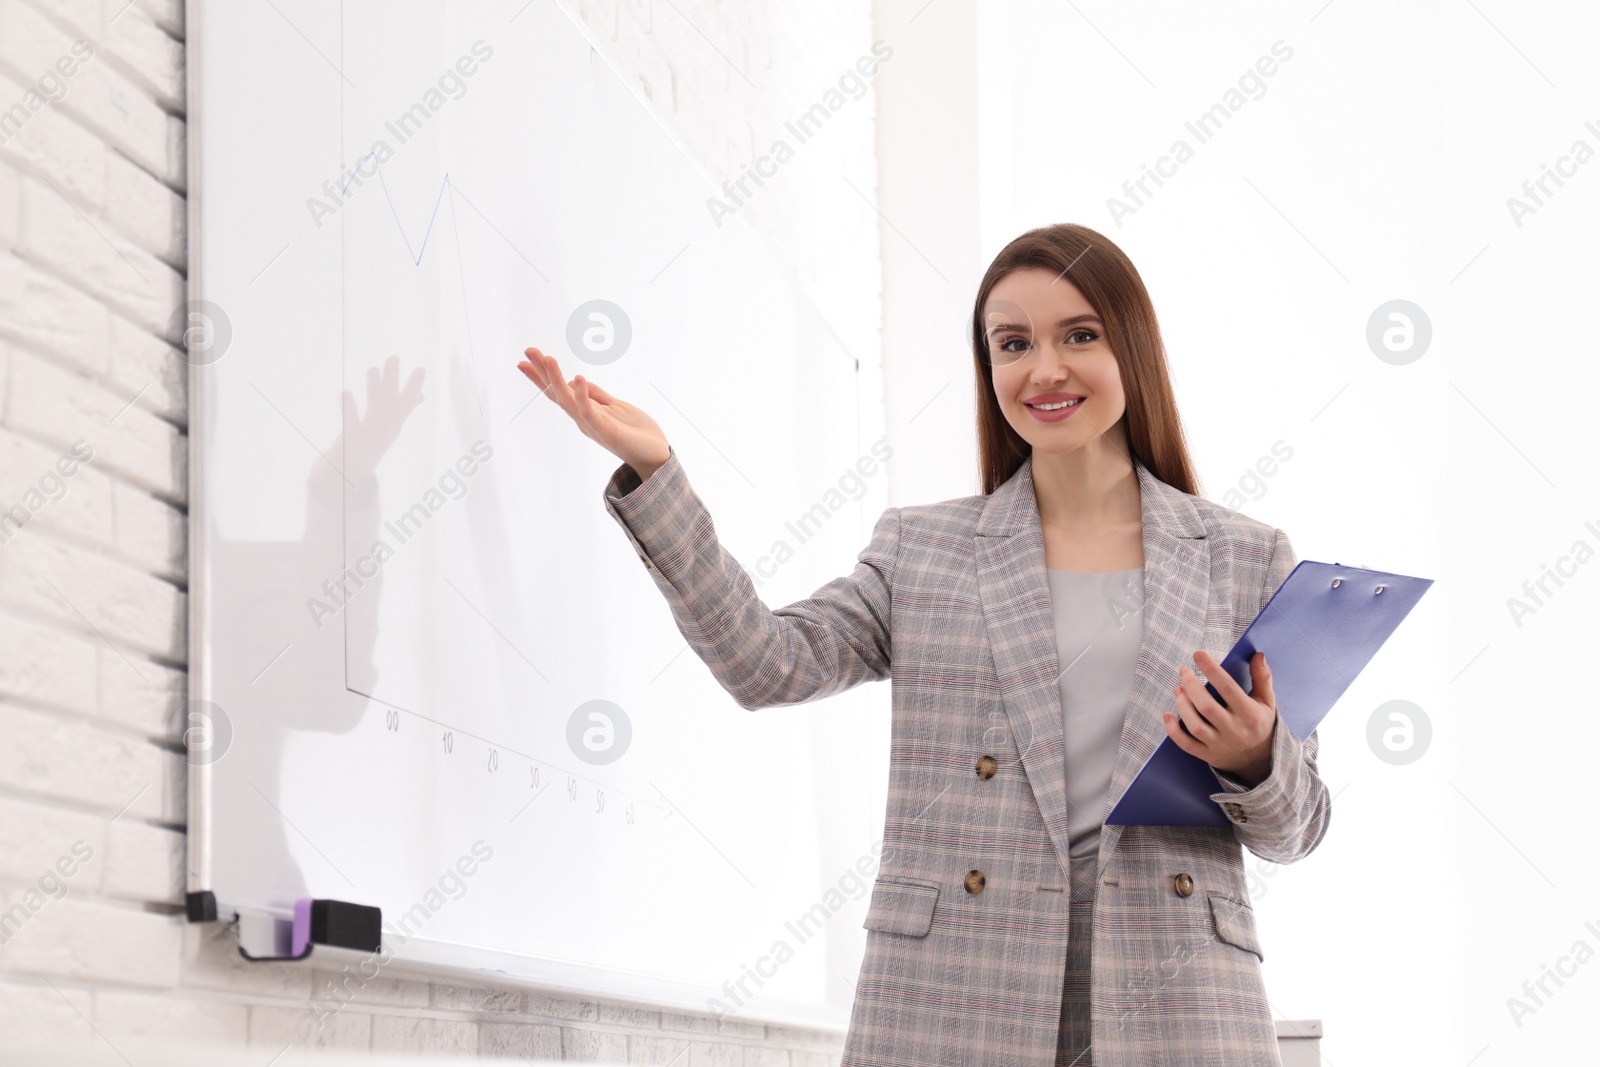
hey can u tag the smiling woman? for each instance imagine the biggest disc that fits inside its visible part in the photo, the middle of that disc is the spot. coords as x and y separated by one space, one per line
1071 293
1037 637
1077 418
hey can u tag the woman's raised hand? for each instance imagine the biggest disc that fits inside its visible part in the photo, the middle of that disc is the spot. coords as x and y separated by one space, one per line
619 427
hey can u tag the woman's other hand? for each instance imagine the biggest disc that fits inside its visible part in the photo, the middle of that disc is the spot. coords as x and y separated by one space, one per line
1237 738
617 426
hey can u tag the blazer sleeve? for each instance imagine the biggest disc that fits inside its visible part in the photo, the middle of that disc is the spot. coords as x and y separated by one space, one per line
832 640
1285 815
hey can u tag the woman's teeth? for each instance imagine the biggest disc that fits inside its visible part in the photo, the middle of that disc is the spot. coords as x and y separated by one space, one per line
1058 407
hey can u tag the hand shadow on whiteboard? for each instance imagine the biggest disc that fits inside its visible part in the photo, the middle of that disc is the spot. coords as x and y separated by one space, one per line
289 617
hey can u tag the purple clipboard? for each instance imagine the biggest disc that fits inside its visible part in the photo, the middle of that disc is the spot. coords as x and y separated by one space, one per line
1321 628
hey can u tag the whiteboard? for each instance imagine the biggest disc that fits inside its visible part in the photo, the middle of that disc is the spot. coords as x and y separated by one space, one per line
408 608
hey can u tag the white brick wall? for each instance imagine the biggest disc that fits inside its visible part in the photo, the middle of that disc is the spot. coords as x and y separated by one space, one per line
93 581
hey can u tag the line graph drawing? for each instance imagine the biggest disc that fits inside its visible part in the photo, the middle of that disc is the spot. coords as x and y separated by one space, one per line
415 253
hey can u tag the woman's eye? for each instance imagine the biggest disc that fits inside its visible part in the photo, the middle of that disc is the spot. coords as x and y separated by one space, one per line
1089 337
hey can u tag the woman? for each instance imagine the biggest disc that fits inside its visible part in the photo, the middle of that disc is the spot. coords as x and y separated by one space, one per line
1039 638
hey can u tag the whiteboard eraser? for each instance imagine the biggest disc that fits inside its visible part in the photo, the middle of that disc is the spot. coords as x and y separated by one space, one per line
338 923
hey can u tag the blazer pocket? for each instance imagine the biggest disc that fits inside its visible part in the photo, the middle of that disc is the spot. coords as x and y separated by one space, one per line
1236 923
902 906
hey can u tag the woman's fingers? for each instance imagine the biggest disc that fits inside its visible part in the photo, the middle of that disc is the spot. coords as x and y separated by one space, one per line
600 394
1261 676
585 405
1192 687
1200 727
549 379
615 425
1233 696
534 366
533 370
1186 741
537 367
576 399
602 425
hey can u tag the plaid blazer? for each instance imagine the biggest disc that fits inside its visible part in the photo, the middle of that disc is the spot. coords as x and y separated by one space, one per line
951 602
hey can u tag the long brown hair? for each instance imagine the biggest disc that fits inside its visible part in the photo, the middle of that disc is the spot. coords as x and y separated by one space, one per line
1108 281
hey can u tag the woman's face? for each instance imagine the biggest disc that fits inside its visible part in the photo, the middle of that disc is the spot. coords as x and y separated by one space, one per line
1055 343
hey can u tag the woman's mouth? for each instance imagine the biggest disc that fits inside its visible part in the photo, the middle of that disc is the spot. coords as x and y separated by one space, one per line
1054 412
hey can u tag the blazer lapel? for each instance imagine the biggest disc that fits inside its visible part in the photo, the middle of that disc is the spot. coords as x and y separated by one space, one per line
1008 546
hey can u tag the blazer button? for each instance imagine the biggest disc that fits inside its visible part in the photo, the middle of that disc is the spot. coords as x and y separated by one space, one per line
975 882
1183 885
986 767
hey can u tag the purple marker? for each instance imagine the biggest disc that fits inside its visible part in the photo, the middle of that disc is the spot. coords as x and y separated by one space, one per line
301 943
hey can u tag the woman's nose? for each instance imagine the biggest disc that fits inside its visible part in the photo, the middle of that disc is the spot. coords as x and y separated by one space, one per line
1051 366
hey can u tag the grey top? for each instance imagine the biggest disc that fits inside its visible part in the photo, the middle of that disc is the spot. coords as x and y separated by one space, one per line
1099 624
